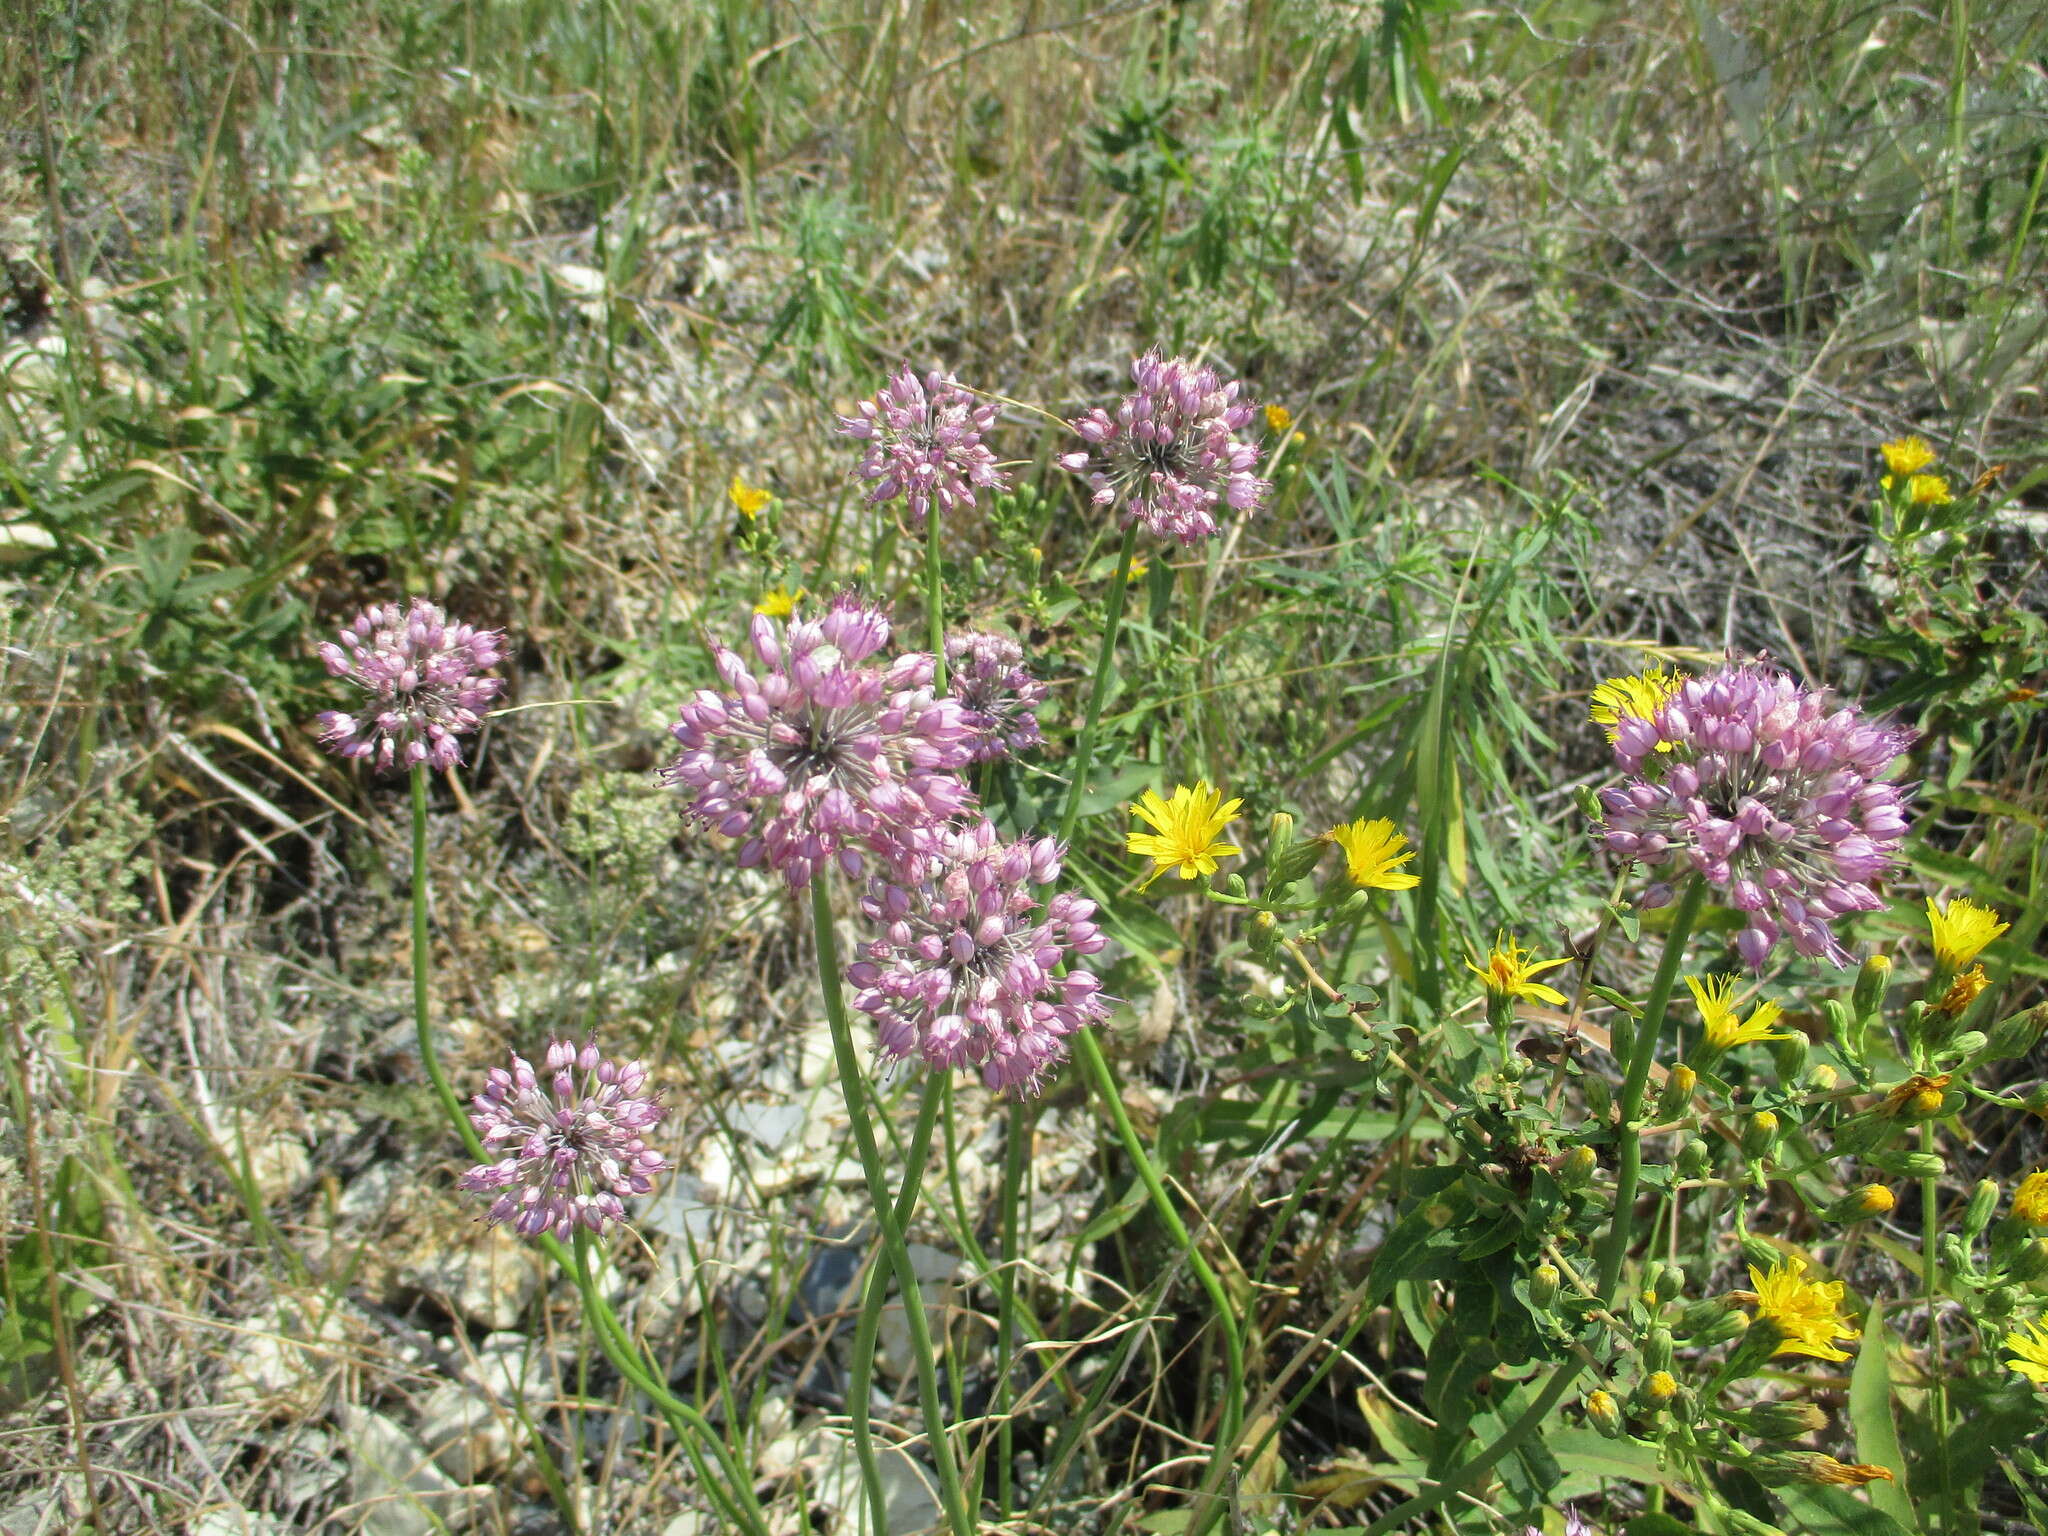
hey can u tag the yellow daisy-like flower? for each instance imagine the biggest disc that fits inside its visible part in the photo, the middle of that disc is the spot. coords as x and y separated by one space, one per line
2030 1343
1633 698
1805 1314
1928 491
1715 996
1961 931
1509 972
750 499
2030 1200
1373 855
1906 455
778 602
1184 831
1278 419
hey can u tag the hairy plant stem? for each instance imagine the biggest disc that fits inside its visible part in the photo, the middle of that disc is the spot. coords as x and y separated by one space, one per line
736 1501
852 1086
1620 1229
861 1378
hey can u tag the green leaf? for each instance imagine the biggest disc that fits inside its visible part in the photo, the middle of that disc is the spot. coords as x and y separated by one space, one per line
1825 1511
1658 1525
1870 1415
1590 1458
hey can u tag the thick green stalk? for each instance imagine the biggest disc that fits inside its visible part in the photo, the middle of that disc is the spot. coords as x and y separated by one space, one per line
862 1371
422 988
934 599
852 1088
1105 660
1018 1122
1629 1148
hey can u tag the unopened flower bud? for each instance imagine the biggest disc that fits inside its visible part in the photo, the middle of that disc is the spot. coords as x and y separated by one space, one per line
1265 933
1544 1283
1967 1046
1577 1167
1759 1134
1657 1350
2000 1301
1790 1055
1862 1204
1694 1160
1662 1282
2030 1264
1709 1322
1657 1390
1676 1099
1822 1077
1621 1035
1782 1421
1604 1413
1288 860
1779 1468
1871 982
2017 1033
2037 1100
1954 1254
1917 1165
1760 1254
1977 1214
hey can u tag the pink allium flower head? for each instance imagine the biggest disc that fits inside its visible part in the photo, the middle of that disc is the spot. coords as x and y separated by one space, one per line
1779 796
574 1149
924 443
418 674
820 756
1171 452
986 673
965 973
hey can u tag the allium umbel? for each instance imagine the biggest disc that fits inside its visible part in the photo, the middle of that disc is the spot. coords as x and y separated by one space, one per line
986 674
1172 453
924 443
965 973
820 757
575 1148
419 676
1776 794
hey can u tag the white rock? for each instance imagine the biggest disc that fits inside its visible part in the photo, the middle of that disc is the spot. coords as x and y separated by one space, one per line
769 1124
286 1352
394 1483
470 1426
233 1520
486 1276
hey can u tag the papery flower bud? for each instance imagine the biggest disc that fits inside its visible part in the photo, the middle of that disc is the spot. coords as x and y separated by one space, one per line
1779 1421
1544 1283
1657 1391
1577 1167
1822 1078
1676 1099
1605 1414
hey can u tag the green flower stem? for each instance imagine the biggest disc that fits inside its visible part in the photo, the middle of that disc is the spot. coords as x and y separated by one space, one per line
852 1087
422 973
1629 1151
736 1499
1620 1230
934 599
736 1502
1105 660
1018 1123
862 1374
1092 1059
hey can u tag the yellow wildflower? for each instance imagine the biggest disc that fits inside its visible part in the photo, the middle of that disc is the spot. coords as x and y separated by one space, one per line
1633 698
1816 1467
2030 1200
1928 491
2030 1343
1906 455
1875 1200
1961 931
1373 855
1278 419
750 499
1804 1314
1184 830
1715 996
1509 972
1138 569
1918 1097
778 602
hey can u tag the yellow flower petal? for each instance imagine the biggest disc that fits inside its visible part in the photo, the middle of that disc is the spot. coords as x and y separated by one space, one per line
1186 830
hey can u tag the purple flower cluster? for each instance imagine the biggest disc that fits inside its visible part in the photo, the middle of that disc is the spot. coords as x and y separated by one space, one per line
1172 451
575 1147
987 676
820 757
1781 797
966 971
924 443
419 675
